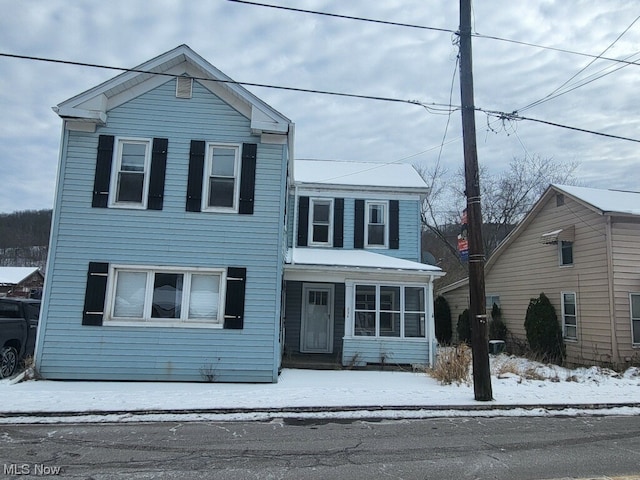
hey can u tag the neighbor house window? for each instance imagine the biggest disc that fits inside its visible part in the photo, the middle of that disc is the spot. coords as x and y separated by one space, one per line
376 227
566 253
222 177
389 311
634 304
569 316
168 295
130 176
320 227
490 301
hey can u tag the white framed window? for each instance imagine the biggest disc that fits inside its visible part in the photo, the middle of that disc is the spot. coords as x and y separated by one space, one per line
569 315
165 296
376 229
129 186
634 306
320 222
389 311
221 186
490 301
565 253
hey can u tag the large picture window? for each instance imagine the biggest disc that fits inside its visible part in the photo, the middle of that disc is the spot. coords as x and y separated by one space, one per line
634 304
569 316
389 311
166 295
130 176
222 176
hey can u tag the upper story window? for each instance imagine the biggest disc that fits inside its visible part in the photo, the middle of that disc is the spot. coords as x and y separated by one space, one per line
569 316
130 176
320 225
566 252
376 228
222 177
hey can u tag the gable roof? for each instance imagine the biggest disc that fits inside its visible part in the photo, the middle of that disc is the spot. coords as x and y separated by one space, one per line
604 201
369 175
91 107
601 201
15 275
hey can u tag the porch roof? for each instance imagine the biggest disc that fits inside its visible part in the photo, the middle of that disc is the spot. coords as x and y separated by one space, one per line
355 260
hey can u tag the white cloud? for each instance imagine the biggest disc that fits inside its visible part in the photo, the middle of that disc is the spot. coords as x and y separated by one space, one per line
270 46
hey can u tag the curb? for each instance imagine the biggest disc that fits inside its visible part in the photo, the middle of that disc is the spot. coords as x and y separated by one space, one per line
303 411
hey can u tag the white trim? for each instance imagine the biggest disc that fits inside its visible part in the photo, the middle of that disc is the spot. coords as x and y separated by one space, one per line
385 223
329 242
564 325
149 321
207 174
116 168
631 317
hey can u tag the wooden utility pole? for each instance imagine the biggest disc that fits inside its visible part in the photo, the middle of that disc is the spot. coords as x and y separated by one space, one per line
477 309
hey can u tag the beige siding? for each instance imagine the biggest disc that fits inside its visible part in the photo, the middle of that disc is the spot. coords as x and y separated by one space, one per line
458 300
626 275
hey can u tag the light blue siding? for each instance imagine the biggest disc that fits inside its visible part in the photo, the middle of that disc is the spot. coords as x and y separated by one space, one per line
170 237
360 351
409 227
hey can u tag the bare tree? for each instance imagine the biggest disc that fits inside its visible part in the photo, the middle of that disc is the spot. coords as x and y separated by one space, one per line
506 197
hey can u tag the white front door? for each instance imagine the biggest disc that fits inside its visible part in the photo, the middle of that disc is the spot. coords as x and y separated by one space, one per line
316 332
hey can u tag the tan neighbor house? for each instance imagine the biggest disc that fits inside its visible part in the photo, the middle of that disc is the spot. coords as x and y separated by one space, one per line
581 247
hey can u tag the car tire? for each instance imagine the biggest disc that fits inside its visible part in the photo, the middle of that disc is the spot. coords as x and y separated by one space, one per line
8 361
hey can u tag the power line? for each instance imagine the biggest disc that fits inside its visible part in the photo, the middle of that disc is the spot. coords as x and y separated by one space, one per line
515 117
437 29
428 106
551 95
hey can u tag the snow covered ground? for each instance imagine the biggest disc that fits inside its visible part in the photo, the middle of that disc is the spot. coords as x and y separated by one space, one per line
520 387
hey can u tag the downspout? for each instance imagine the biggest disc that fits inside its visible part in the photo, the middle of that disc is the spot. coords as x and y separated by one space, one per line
431 322
612 310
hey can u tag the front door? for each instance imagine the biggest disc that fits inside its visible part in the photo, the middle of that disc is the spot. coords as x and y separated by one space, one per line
316 333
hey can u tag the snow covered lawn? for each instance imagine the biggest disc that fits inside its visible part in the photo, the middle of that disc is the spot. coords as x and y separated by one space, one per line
515 382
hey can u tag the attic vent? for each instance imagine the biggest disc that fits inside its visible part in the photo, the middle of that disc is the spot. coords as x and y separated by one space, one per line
183 87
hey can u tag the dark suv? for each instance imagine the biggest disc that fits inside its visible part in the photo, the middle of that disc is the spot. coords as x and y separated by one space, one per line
18 328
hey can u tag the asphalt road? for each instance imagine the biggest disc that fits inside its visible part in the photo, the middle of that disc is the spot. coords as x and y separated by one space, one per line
454 448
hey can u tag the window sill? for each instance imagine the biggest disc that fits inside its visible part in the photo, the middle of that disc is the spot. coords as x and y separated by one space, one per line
127 206
393 339
156 324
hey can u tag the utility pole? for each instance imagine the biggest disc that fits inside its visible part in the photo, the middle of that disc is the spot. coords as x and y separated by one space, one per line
477 309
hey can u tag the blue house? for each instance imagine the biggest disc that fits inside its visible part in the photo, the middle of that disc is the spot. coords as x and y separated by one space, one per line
172 254
355 290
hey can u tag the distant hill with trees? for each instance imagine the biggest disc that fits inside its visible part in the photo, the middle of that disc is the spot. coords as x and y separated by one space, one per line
24 238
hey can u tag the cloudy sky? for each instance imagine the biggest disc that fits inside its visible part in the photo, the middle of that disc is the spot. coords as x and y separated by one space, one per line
271 46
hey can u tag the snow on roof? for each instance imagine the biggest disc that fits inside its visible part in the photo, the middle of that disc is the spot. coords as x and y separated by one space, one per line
617 201
14 275
368 174
326 257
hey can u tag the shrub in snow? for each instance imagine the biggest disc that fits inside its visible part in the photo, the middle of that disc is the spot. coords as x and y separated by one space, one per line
544 333
497 328
464 327
442 314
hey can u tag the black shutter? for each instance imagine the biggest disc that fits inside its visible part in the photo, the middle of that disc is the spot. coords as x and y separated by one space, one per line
338 222
196 172
103 171
157 175
358 233
95 294
248 178
234 303
303 221
394 224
